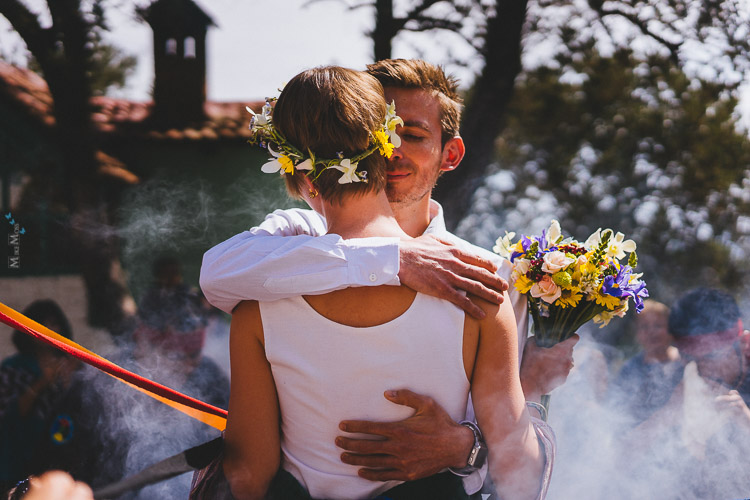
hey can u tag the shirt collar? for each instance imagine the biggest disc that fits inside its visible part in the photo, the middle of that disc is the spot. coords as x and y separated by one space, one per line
437 219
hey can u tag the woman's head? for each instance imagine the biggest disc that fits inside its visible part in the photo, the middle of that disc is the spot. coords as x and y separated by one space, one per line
333 111
47 313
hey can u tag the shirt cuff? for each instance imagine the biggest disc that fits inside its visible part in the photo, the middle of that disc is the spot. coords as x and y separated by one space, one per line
474 481
372 261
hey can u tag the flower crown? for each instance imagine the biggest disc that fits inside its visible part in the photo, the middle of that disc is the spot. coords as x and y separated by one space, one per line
287 157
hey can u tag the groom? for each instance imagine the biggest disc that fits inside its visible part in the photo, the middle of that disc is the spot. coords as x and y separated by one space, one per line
289 254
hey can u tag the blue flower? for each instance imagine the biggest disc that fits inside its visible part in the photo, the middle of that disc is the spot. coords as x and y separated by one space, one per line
620 286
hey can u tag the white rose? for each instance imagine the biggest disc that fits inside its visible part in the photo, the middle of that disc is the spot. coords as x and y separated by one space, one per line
546 290
521 266
556 261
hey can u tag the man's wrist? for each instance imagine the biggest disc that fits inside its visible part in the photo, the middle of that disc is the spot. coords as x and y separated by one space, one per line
465 443
530 390
477 453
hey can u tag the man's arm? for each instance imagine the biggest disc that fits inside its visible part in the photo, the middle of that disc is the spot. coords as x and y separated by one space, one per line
289 255
286 256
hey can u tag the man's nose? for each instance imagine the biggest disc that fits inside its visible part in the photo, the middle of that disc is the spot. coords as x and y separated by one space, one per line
396 155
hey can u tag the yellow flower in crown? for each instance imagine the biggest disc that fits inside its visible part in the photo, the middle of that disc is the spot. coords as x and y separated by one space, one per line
280 163
384 145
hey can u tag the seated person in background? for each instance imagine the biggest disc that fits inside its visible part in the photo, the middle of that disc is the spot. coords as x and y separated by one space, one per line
32 384
707 328
170 335
300 365
703 431
645 382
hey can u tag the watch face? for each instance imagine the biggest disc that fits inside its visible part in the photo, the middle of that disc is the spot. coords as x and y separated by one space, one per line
481 456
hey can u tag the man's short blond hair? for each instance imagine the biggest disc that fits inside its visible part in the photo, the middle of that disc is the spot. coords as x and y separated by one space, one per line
418 74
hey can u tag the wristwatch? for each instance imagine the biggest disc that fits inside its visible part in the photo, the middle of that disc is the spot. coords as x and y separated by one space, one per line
478 453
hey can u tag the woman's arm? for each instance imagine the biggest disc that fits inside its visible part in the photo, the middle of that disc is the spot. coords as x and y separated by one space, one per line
515 458
252 451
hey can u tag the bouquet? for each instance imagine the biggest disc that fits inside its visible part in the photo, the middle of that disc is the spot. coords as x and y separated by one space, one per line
569 283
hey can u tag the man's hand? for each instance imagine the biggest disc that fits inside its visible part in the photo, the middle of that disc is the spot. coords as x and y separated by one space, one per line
438 268
545 368
423 444
733 402
57 485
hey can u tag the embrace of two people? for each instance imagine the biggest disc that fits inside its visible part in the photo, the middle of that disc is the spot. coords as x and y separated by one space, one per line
373 353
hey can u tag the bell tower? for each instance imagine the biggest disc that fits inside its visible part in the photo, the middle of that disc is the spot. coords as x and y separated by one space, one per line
180 28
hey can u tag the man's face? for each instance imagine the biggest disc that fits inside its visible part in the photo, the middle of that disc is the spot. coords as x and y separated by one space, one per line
652 330
719 356
414 167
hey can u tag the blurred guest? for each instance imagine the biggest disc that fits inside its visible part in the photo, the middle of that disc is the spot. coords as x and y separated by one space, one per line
646 380
702 434
169 341
170 336
32 385
708 330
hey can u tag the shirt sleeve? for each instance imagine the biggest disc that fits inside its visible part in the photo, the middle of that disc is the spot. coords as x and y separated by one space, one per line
286 256
547 440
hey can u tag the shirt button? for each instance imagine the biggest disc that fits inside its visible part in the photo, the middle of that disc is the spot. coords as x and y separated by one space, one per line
373 277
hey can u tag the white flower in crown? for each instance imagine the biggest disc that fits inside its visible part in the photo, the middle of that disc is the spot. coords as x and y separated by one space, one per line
305 165
280 163
259 119
349 169
391 121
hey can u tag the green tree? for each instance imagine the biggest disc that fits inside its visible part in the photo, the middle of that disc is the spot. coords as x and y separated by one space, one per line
712 33
633 144
110 66
66 54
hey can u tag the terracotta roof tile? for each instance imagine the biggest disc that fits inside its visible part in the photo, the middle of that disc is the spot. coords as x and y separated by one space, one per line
28 89
225 120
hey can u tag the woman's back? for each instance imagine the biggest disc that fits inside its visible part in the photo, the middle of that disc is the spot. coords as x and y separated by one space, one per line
326 372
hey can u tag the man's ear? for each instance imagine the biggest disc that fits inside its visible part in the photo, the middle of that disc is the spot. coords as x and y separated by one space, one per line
453 152
744 336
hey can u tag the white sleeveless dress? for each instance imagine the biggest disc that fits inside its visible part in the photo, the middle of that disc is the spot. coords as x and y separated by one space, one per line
326 372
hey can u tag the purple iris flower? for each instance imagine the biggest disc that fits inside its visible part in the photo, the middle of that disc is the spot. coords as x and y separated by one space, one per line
620 285
542 239
525 244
